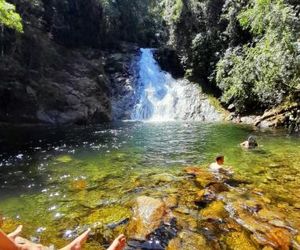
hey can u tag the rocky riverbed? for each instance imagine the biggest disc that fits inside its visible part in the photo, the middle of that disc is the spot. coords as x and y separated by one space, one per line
197 209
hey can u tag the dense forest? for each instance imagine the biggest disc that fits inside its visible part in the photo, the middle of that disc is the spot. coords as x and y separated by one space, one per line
245 52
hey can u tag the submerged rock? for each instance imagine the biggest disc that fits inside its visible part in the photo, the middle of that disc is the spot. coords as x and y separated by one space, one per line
239 240
215 210
188 240
281 237
77 185
148 214
193 170
108 216
174 244
164 177
171 201
205 179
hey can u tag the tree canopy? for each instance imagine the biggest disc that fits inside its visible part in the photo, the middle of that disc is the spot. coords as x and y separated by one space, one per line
264 71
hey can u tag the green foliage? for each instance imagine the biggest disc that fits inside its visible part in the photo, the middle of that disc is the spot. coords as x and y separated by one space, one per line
264 72
268 15
131 20
177 10
9 17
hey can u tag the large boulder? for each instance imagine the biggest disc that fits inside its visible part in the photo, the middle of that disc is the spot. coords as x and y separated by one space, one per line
148 214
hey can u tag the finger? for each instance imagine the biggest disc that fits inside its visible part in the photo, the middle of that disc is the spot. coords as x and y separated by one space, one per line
78 242
15 233
83 237
120 241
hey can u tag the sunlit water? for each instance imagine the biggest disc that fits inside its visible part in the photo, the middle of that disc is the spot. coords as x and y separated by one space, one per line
56 182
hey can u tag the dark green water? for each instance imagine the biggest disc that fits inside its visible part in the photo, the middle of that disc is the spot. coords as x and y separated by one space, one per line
56 182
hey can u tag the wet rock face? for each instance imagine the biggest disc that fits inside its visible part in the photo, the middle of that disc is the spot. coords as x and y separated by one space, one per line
56 72
44 77
76 92
169 61
121 69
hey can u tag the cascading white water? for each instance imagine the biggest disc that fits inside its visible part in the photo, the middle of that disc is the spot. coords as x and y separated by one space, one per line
160 97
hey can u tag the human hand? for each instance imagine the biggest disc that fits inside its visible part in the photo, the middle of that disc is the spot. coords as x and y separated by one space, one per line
13 241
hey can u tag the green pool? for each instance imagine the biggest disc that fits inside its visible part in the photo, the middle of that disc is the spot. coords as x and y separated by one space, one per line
57 182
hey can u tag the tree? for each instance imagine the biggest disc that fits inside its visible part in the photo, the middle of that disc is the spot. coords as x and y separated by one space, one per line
9 17
267 70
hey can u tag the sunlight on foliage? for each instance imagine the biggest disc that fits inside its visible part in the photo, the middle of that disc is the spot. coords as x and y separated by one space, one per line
9 17
264 72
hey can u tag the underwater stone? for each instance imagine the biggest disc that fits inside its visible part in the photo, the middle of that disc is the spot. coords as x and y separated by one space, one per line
192 241
266 214
204 197
163 177
174 244
239 240
187 222
205 178
193 170
215 210
171 201
281 237
148 213
297 205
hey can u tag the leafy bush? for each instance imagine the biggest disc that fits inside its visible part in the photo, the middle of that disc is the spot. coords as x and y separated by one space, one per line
264 72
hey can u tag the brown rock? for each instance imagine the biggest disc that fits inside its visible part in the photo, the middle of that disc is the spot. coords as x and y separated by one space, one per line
205 178
247 219
297 205
218 187
205 197
192 241
215 210
171 201
268 215
174 244
281 237
192 170
200 194
260 239
148 214
239 240
79 185
186 222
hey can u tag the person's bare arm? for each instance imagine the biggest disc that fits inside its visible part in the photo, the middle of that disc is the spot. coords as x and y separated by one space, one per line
12 241
6 242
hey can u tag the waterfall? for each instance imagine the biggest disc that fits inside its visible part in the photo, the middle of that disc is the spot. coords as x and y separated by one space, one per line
159 97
